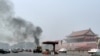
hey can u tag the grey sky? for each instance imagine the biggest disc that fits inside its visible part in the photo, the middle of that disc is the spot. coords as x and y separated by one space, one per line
59 18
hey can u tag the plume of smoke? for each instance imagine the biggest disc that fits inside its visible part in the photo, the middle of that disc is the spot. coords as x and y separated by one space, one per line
36 34
23 30
6 9
19 28
5 12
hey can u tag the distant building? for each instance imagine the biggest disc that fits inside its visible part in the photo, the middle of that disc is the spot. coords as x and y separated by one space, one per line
82 36
83 40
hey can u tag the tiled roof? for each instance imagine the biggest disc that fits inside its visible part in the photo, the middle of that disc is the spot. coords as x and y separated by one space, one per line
78 33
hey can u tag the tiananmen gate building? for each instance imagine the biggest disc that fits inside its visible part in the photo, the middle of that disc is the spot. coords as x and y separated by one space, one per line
80 40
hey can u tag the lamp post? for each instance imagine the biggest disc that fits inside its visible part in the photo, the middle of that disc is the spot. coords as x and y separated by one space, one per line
98 43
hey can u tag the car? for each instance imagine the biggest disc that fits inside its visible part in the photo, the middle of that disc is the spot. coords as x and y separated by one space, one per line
37 51
2 51
14 51
95 52
46 51
7 50
20 50
28 50
63 50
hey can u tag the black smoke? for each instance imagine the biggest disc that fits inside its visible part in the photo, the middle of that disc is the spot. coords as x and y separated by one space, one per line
37 34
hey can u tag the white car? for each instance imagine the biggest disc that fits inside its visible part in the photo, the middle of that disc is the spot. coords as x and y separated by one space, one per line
63 50
94 52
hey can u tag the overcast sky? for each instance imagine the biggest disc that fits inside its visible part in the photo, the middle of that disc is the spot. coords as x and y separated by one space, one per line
58 18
